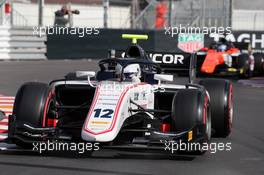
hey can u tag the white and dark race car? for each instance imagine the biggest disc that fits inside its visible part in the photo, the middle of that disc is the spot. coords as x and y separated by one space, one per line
128 103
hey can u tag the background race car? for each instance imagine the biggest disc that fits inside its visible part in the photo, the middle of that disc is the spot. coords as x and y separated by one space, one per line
226 58
220 58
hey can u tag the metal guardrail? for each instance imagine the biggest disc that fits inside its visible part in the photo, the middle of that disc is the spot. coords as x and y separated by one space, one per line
16 18
1 11
200 13
2 2
21 44
19 19
140 21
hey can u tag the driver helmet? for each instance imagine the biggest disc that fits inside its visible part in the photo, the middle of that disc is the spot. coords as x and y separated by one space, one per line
222 48
131 71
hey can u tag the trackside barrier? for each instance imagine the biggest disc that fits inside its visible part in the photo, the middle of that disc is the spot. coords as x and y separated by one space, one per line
97 46
21 44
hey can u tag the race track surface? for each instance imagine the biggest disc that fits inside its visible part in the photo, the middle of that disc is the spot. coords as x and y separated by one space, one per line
246 156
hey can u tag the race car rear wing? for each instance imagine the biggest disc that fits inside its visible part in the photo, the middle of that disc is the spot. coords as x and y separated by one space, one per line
176 63
181 63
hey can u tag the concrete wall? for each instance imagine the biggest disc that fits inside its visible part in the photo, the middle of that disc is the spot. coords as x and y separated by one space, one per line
91 16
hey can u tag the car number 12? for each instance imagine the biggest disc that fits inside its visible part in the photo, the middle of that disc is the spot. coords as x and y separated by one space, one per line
105 113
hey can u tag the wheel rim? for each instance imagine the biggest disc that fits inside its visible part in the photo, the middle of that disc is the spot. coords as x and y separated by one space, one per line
51 108
208 124
207 119
230 108
50 105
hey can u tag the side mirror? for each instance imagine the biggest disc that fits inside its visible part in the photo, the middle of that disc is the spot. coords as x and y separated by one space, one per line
163 77
85 74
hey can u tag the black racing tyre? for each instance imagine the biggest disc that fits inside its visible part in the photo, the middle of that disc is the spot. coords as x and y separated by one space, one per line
221 101
190 107
244 64
30 107
259 62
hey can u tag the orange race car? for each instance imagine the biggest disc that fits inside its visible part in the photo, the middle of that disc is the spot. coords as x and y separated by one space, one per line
223 58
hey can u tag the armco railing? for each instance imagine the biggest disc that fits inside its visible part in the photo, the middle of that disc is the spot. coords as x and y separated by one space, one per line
15 19
19 19
146 18
2 2
21 44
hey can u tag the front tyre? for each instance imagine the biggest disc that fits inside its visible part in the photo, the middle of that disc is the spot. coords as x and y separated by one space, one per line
190 108
221 100
31 105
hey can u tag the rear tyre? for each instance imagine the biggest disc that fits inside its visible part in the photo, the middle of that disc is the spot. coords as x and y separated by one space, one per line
190 107
244 64
30 107
259 62
221 100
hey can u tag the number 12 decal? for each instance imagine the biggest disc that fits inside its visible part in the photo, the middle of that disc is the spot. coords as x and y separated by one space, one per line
105 113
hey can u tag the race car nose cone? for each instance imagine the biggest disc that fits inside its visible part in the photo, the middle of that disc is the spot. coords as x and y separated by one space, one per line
88 137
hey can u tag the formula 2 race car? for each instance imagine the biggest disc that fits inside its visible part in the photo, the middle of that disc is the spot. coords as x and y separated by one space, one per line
127 104
223 58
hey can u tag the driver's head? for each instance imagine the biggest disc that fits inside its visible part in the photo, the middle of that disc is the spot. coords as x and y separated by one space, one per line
222 48
131 71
